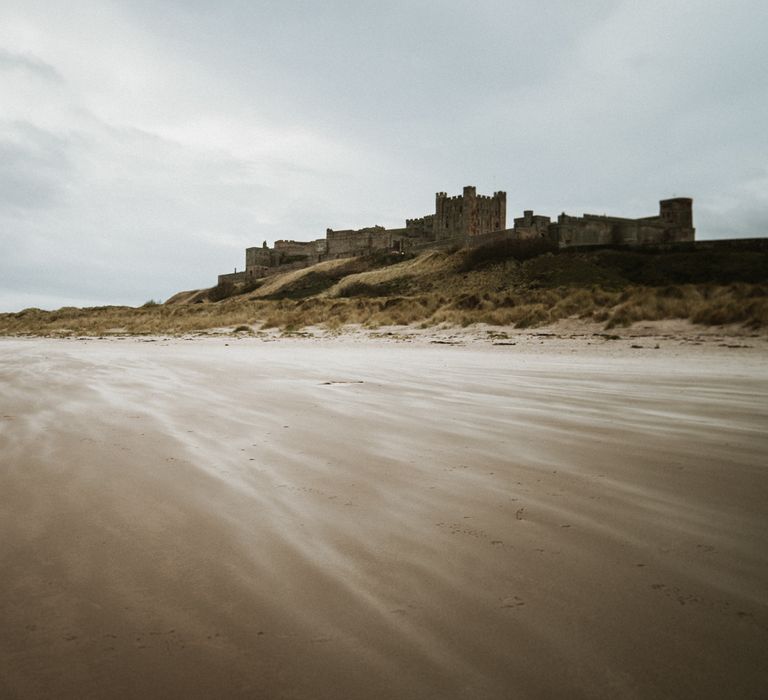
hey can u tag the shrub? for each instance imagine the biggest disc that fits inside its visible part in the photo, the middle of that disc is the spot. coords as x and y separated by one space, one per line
251 286
533 315
519 250
374 289
223 290
307 285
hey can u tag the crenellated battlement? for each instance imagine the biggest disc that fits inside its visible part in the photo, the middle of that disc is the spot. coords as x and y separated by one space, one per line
469 214
673 224
472 219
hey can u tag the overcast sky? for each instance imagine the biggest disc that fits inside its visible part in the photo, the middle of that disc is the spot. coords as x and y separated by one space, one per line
145 144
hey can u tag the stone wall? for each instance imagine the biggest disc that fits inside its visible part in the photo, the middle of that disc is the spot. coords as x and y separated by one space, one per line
233 278
674 223
259 257
346 243
470 219
422 228
531 225
291 251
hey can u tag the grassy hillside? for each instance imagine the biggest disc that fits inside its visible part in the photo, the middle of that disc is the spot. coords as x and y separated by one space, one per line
504 284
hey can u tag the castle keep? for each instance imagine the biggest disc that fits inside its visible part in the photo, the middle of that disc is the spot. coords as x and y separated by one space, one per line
470 219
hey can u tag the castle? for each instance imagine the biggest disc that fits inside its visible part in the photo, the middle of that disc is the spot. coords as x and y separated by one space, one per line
470 219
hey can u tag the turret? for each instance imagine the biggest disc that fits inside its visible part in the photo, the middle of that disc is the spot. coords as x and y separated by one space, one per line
677 212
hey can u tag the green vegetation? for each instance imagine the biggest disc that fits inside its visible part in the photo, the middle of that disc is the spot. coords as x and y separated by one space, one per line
397 285
524 285
493 253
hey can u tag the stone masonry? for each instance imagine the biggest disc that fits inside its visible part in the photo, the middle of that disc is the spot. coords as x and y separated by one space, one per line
470 219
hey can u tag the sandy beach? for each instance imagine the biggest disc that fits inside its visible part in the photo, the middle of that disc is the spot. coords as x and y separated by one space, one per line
367 518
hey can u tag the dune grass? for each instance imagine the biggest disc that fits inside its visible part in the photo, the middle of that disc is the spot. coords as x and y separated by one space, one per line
459 288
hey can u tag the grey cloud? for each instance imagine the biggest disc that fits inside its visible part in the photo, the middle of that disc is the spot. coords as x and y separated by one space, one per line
365 63
604 106
142 217
30 64
34 165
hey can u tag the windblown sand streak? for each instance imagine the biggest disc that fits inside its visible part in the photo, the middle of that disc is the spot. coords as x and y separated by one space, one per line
329 520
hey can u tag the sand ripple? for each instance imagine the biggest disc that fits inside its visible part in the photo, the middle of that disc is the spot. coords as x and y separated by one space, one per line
309 521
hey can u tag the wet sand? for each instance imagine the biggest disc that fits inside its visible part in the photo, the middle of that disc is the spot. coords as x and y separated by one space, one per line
372 520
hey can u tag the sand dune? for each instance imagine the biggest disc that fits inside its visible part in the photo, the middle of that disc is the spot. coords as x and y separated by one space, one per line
329 520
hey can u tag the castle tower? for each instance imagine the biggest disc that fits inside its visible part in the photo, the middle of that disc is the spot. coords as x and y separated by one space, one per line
468 214
677 212
676 216
499 220
469 219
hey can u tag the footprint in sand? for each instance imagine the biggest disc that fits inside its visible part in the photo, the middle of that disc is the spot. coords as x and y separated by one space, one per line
705 548
512 601
404 611
684 598
460 529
